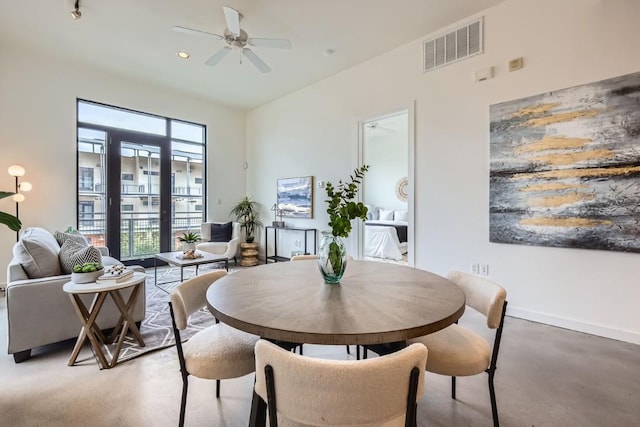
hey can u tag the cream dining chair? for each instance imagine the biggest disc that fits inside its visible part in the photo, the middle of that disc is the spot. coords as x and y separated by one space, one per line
300 390
216 352
303 257
458 351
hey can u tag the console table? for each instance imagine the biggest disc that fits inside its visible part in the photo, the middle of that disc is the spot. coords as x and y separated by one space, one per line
275 257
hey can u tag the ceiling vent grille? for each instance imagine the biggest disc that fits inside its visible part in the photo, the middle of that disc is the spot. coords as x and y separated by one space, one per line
453 46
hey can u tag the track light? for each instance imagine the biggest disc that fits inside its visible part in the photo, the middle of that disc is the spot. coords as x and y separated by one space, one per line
76 12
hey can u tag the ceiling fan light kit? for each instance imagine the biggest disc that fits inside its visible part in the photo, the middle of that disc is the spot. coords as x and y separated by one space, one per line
237 38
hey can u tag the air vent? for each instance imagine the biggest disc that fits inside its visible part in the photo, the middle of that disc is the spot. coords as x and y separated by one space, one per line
453 46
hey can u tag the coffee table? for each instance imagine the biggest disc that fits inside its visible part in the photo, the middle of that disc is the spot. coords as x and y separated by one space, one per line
174 258
90 329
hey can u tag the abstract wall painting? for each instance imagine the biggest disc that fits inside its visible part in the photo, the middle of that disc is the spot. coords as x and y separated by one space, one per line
295 197
565 167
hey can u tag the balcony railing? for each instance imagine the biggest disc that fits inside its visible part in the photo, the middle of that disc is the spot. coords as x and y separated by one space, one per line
139 232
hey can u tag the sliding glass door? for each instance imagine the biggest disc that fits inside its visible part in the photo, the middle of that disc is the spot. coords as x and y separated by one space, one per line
139 191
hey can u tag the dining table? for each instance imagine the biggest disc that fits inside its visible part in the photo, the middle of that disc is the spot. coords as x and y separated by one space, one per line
379 305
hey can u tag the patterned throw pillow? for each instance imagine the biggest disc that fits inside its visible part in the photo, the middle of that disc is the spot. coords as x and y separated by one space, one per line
63 237
72 253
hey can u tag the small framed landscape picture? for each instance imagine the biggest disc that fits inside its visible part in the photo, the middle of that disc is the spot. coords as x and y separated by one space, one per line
295 197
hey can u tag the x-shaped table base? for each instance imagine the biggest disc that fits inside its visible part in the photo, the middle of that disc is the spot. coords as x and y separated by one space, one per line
92 332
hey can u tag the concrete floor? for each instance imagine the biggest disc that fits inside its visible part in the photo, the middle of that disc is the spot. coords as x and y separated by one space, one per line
546 377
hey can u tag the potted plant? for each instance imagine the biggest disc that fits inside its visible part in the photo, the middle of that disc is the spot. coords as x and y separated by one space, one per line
87 272
341 207
246 213
9 220
189 239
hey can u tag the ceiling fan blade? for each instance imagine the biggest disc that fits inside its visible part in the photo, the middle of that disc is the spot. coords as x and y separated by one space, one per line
255 59
185 30
233 20
263 42
217 57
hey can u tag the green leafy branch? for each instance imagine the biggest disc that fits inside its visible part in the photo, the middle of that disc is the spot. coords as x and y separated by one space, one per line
340 205
10 221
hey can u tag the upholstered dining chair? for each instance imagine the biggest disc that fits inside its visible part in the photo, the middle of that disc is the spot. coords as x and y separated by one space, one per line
216 352
309 391
459 351
303 257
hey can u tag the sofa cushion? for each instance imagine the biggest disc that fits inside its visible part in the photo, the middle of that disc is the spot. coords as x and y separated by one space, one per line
72 253
37 252
76 237
221 232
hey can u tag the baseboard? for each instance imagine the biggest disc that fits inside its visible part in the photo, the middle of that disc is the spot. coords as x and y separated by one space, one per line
575 325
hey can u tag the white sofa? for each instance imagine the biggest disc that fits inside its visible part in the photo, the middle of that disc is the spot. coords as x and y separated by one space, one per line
228 250
39 312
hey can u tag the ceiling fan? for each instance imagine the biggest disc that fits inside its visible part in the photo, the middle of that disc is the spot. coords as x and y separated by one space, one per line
237 38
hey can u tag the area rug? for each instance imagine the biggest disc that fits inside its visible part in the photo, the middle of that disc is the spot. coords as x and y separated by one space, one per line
156 329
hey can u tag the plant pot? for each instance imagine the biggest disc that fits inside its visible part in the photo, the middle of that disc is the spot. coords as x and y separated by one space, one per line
81 278
332 258
186 246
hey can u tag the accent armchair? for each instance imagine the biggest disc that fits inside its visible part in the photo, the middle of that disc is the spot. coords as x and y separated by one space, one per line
228 249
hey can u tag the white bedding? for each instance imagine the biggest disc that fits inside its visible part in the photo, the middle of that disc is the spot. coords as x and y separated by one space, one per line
383 242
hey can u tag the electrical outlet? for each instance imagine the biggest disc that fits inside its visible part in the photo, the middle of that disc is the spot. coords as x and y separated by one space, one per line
484 269
475 268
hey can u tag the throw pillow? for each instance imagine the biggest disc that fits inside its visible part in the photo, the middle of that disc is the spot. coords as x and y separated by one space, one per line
63 237
72 253
386 214
399 215
372 212
37 252
221 232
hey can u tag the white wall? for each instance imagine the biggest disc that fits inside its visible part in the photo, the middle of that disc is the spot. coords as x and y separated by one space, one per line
564 43
38 131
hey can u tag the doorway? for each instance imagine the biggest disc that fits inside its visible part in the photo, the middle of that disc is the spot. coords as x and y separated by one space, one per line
386 146
139 189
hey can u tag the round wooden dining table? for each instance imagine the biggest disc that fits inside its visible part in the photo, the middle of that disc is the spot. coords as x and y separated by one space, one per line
375 303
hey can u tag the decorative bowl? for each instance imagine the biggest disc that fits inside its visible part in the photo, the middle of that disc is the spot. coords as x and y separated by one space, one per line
81 278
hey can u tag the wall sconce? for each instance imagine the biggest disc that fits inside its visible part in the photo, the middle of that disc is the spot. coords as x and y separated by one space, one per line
17 172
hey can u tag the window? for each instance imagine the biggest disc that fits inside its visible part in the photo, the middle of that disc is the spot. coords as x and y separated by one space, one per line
146 161
85 179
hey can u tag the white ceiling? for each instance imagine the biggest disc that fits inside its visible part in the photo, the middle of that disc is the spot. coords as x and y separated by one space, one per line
134 38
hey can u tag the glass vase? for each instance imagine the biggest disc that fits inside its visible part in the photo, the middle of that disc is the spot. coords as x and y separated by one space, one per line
332 258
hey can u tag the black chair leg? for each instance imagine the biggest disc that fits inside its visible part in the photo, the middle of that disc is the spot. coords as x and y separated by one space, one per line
357 352
494 405
218 389
453 387
183 402
348 350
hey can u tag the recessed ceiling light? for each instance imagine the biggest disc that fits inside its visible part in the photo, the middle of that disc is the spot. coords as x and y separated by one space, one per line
183 55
